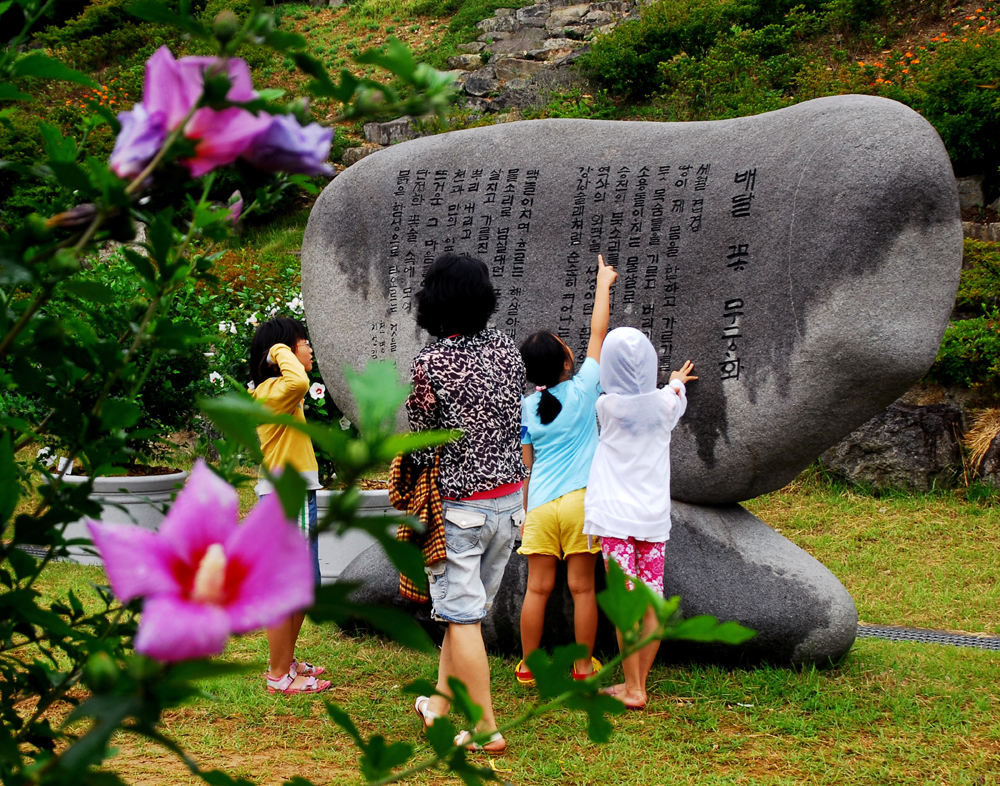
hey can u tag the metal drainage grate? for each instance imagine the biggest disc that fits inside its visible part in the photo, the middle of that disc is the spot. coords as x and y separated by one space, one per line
34 551
925 636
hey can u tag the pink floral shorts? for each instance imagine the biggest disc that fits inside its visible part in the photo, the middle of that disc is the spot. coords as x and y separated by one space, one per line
638 558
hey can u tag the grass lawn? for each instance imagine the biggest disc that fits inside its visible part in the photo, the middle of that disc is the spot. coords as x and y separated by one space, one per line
891 713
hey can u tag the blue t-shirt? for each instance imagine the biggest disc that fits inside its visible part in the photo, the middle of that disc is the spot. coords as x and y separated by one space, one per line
565 447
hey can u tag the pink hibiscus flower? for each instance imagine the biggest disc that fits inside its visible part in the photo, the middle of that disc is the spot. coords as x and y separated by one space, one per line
203 575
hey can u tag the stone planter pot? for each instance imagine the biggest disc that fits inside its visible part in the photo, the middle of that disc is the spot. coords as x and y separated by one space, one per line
125 500
335 551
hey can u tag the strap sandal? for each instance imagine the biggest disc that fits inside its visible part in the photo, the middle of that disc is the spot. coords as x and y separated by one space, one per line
422 707
284 685
524 676
597 667
306 669
495 744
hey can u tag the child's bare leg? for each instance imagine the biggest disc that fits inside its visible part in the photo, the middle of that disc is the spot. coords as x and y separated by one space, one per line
580 577
281 650
638 665
541 580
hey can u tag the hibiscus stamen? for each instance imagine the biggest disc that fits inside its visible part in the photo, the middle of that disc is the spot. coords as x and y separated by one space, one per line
210 578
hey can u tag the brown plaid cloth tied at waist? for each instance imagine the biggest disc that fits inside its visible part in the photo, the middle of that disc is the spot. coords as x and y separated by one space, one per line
414 490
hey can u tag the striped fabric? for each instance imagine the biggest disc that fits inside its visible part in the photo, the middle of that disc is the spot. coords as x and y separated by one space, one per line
414 490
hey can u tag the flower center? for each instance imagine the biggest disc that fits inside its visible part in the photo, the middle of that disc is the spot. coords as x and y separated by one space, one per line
210 579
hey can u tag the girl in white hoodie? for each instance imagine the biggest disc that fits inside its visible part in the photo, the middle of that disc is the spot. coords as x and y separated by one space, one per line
628 494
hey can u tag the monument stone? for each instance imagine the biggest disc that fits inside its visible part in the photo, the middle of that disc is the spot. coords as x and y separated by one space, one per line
806 260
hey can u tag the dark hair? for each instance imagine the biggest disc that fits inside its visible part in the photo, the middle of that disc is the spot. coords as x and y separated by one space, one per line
457 296
544 358
283 330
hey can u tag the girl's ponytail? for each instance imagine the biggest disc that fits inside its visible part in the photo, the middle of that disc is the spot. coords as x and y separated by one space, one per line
545 358
548 407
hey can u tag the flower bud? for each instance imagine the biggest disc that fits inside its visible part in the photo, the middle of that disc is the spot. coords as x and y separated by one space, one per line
74 217
358 453
100 672
226 26
263 25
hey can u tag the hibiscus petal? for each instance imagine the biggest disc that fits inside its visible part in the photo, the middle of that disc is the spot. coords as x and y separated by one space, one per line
136 560
221 137
173 629
241 83
286 146
276 556
205 512
141 136
170 89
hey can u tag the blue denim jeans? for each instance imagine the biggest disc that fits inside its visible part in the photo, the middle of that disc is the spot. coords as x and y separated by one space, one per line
479 538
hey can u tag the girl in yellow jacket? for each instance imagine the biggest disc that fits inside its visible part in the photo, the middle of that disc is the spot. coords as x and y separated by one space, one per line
280 359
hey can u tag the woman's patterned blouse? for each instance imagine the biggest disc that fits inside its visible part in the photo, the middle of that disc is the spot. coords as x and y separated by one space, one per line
471 383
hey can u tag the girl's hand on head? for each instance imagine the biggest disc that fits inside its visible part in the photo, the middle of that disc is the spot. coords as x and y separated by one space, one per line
684 375
606 275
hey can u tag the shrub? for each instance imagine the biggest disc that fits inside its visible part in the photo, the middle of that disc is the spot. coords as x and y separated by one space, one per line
970 353
957 94
980 283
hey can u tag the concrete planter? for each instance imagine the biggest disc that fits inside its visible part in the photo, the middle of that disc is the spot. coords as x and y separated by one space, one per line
125 500
336 552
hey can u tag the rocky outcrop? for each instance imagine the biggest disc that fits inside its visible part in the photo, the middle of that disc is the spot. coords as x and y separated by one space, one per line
903 447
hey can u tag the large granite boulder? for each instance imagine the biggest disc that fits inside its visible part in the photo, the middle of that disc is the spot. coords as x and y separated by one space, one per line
722 561
806 260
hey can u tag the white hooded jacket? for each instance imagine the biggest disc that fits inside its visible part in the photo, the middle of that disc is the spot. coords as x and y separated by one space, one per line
628 494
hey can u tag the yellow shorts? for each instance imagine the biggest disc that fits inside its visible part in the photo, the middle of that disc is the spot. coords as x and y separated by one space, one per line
556 528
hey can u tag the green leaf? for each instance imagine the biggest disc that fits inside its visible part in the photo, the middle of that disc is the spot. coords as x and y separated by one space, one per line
119 414
291 489
71 176
378 393
108 713
554 676
94 291
220 778
380 759
10 93
142 266
624 608
282 41
394 57
24 564
155 11
9 752
8 481
229 414
461 701
39 65
415 440
161 237
708 628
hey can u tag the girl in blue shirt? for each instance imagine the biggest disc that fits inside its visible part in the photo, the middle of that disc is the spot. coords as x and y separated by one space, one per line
559 437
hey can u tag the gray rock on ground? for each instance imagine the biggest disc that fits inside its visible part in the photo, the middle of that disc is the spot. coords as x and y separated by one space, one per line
903 447
722 561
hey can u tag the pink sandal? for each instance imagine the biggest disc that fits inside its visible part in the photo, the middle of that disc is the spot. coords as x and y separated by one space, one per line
284 685
306 669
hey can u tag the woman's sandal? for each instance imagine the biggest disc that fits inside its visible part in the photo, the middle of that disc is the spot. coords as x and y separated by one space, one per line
524 676
422 707
306 669
284 685
596 668
496 744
